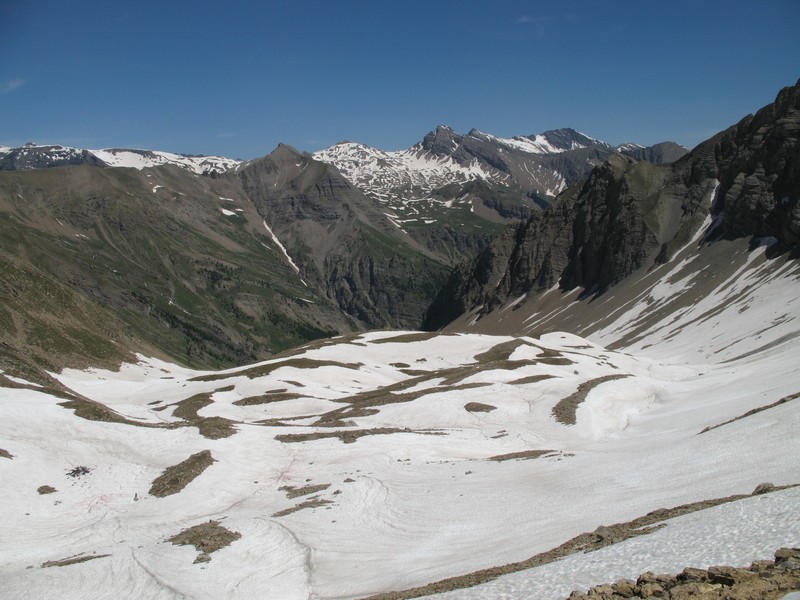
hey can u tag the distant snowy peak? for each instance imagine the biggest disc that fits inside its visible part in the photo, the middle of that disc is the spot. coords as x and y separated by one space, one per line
35 156
141 159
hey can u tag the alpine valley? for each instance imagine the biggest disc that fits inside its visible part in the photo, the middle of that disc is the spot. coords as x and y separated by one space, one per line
481 367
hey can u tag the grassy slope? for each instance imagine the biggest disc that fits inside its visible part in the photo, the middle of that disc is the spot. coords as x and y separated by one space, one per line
93 255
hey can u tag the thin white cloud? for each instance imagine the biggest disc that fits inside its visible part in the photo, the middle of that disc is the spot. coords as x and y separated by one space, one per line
11 85
538 25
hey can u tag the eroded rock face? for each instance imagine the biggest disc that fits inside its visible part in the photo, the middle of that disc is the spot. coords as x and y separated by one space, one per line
762 580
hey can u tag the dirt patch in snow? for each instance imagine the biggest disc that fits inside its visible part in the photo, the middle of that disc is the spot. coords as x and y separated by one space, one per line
187 409
73 560
213 428
347 436
268 397
501 354
177 477
46 489
556 361
206 538
94 411
479 407
531 379
501 351
296 492
407 338
310 503
362 404
264 370
524 454
564 411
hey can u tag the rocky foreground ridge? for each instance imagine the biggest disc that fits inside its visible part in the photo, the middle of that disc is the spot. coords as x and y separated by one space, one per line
762 580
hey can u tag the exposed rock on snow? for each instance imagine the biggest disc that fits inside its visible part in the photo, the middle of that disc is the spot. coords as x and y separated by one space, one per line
764 579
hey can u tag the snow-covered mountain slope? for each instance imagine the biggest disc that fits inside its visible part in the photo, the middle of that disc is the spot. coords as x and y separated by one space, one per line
404 181
34 156
391 460
690 302
549 142
404 175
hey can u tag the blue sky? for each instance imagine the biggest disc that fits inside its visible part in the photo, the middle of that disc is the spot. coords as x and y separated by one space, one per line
236 78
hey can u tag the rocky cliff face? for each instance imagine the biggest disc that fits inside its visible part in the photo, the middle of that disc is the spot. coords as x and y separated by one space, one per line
758 166
630 215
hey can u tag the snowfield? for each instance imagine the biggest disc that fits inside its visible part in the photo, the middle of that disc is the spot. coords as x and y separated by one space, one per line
390 460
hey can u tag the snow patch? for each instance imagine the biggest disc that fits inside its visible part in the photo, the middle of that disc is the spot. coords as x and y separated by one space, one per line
281 247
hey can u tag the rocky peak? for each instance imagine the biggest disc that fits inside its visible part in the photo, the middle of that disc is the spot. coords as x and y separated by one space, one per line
442 141
284 152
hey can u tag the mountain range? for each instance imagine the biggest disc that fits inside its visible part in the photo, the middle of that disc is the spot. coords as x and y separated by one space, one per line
214 261
213 382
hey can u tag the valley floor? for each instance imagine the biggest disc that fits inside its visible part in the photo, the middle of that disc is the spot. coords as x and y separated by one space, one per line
388 461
